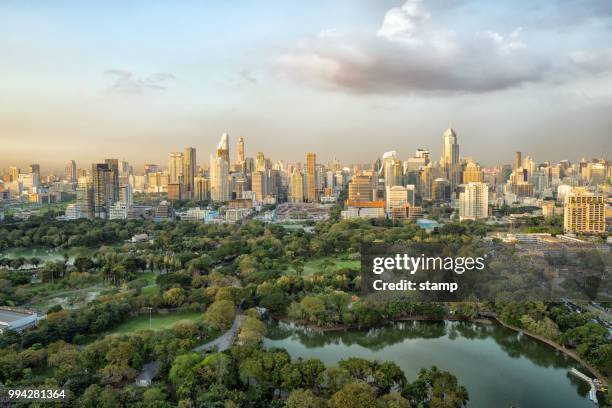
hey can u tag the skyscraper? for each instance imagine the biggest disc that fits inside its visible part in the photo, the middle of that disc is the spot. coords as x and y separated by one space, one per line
296 187
392 169
219 179
311 178
517 160
361 188
259 185
113 166
474 202
472 173
240 150
189 169
223 148
85 197
176 167
70 173
101 176
450 158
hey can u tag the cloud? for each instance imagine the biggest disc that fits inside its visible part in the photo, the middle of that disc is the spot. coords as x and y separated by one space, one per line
409 53
127 83
248 76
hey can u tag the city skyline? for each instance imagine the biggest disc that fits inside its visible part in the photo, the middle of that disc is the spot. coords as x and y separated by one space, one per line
530 76
203 162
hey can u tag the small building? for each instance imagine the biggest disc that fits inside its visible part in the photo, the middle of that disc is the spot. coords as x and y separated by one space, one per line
16 319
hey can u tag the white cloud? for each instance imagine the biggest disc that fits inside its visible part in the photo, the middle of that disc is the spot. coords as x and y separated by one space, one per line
409 53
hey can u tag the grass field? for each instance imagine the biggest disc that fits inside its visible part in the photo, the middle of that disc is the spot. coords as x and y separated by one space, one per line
316 265
158 322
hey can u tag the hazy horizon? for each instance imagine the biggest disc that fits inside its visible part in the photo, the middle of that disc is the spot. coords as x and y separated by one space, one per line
349 79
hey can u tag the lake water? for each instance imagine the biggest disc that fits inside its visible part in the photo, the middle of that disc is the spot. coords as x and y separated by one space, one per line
499 367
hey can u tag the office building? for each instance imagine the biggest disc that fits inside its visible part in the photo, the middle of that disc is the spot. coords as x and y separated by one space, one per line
189 170
311 181
450 158
102 182
175 191
113 192
296 192
176 167
85 197
361 188
259 185
219 179
201 189
70 172
472 173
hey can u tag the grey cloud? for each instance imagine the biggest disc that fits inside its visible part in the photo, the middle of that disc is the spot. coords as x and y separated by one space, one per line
126 82
410 54
248 76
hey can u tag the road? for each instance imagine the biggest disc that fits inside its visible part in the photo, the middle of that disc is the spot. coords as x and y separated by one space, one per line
224 341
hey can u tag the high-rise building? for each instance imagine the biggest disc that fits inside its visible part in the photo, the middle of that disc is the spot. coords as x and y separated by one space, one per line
35 168
240 150
126 195
260 162
296 192
472 173
440 190
113 165
201 188
85 197
102 183
189 169
474 202
176 167
584 212
397 202
70 173
361 189
517 160
223 148
450 158
311 178
14 173
175 191
392 169
259 185
219 179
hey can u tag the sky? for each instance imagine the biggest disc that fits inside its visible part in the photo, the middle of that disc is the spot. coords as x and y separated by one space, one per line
349 79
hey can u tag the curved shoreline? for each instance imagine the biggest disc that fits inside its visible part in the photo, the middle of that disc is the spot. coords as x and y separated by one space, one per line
551 343
558 347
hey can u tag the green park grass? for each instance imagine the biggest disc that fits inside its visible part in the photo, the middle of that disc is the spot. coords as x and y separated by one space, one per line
318 265
158 322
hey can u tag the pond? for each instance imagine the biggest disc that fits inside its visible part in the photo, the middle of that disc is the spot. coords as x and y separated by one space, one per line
499 367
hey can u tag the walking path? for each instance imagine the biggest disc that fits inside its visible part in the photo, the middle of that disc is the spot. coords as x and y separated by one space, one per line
224 341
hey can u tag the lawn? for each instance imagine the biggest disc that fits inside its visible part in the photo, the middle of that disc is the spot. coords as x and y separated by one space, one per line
315 265
158 322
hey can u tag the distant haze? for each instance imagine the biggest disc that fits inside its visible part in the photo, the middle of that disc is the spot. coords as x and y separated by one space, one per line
347 79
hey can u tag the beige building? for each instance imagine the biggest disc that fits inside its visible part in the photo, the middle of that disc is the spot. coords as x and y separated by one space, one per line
296 187
472 173
474 202
311 178
584 212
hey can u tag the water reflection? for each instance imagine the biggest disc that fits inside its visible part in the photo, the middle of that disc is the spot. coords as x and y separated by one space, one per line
496 364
